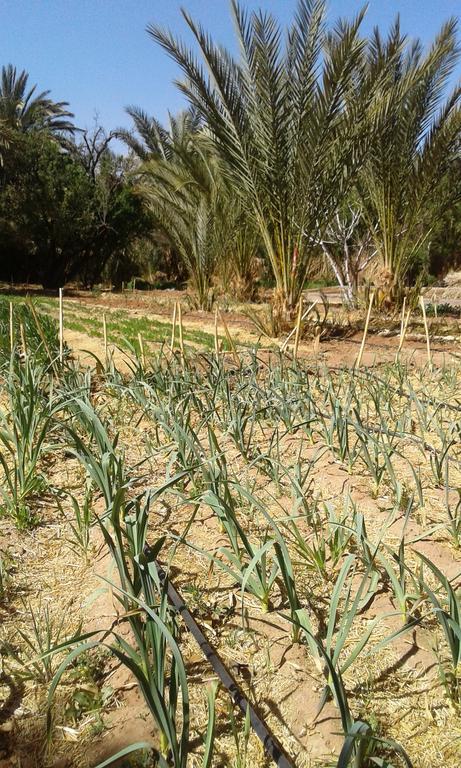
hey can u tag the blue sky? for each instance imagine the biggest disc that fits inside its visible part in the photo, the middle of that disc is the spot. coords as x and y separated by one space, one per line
97 55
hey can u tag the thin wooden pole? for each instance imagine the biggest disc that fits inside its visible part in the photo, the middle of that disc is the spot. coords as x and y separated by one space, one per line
365 331
216 338
403 332
141 349
11 327
61 327
23 339
306 313
428 343
230 339
173 330
104 333
402 318
181 341
298 329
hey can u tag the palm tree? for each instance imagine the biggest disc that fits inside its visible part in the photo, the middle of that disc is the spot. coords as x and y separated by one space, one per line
287 123
24 110
241 266
181 183
415 138
188 199
151 139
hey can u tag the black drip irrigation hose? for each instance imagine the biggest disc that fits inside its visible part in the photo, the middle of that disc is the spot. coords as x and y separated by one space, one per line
272 746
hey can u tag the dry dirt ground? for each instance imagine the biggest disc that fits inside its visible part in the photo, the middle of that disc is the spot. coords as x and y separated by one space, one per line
381 345
398 689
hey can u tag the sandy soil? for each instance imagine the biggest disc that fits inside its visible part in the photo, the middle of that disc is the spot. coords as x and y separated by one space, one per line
400 688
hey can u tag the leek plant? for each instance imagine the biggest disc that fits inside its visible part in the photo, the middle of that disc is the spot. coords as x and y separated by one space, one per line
328 539
248 564
439 460
447 610
453 513
24 433
34 660
362 747
376 454
83 519
152 653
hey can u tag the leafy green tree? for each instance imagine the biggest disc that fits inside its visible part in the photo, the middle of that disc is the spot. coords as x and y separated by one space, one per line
63 217
45 212
121 223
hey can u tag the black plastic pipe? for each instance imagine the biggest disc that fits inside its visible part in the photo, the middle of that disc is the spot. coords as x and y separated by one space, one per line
272 746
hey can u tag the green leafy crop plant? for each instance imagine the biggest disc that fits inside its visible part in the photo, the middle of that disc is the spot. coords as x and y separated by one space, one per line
26 427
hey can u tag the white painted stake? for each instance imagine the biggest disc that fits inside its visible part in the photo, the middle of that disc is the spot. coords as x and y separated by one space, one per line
316 344
23 340
229 338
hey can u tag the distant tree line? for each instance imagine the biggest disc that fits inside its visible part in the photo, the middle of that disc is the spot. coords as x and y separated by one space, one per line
69 209
316 149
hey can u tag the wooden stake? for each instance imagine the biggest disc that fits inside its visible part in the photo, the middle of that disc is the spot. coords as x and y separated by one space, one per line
23 339
428 343
216 338
402 319
141 350
104 333
403 332
11 327
173 331
306 313
365 331
298 329
181 342
61 327
230 340
434 304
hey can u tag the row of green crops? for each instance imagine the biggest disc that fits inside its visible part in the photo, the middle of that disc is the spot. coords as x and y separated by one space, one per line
22 323
220 433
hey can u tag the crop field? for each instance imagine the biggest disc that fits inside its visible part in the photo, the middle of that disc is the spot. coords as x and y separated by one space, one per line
307 511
